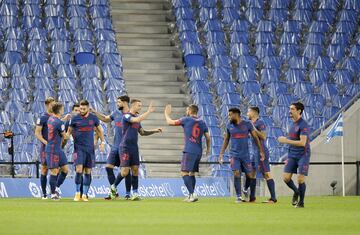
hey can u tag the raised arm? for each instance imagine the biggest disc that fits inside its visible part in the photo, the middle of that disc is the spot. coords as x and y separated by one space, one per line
167 113
143 132
143 116
102 117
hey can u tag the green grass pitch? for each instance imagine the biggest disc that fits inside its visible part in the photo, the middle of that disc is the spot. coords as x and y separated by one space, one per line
322 215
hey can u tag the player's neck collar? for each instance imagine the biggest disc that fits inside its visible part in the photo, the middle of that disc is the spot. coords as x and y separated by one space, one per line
298 120
87 115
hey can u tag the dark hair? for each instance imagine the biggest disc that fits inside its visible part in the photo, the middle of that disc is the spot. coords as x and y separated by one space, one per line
255 108
56 107
49 100
124 98
75 106
193 108
235 110
299 106
135 100
84 102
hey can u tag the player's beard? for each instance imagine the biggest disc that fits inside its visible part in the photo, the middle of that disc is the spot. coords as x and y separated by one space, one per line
232 121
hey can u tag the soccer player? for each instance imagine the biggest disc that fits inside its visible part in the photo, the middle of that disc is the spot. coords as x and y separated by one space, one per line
299 153
194 130
129 150
113 158
75 110
258 163
82 127
41 133
55 157
238 134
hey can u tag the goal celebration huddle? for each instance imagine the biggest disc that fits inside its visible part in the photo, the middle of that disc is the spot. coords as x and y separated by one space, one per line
54 129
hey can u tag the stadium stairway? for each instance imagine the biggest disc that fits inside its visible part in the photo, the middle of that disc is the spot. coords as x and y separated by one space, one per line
153 70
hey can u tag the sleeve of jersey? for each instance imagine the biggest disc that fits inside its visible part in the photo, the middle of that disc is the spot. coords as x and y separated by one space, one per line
39 121
62 127
179 122
304 130
96 121
127 117
112 116
206 129
262 126
71 122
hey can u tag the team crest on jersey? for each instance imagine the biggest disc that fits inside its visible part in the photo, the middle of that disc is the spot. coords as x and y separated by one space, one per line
91 122
297 128
243 128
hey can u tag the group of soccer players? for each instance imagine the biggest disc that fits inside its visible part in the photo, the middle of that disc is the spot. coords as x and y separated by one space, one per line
83 125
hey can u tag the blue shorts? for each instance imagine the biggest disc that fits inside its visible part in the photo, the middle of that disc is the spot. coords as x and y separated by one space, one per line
190 162
113 158
242 164
84 158
43 157
261 166
56 159
297 166
129 158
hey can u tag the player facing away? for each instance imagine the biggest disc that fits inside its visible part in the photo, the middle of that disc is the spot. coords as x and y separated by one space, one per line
129 149
237 134
299 153
82 129
194 130
41 133
262 165
55 157
113 158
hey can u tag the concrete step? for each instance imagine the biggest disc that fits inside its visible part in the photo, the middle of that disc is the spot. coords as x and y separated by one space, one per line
161 102
154 89
160 97
152 83
143 35
141 23
126 51
154 71
141 1
152 65
143 42
138 5
149 48
138 17
160 115
155 59
151 29
172 141
118 10
156 152
150 78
